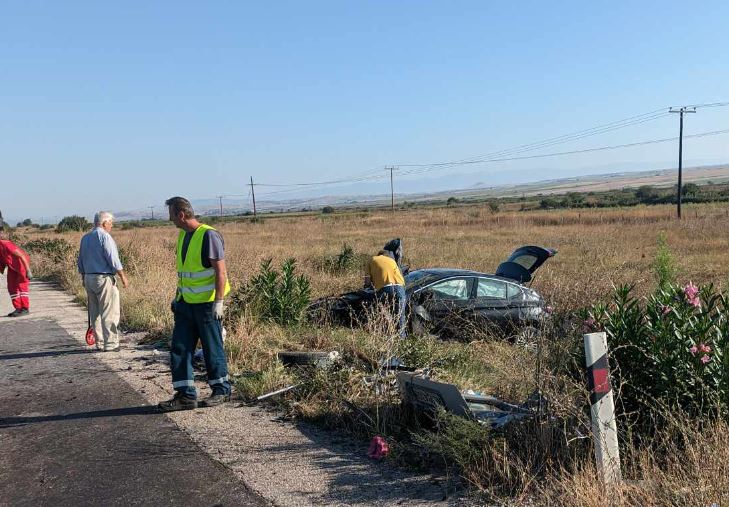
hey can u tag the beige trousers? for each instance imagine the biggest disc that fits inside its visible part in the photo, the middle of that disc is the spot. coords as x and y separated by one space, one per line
103 296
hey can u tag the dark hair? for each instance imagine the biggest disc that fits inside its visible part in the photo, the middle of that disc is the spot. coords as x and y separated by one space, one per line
180 204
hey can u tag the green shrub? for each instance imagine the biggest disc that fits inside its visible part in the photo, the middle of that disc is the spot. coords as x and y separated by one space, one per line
281 297
327 210
346 260
664 266
73 223
57 249
669 351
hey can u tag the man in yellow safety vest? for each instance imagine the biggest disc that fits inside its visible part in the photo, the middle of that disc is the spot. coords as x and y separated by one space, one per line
202 283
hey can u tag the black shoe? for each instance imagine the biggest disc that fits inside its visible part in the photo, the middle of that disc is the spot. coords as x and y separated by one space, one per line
16 313
215 400
24 311
178 402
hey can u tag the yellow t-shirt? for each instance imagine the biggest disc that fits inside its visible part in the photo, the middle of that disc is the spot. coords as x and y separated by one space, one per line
384 271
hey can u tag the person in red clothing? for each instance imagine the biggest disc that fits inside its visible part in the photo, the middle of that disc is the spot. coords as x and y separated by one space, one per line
17 263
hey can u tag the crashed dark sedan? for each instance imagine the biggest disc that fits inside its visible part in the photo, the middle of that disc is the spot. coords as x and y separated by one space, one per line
458 303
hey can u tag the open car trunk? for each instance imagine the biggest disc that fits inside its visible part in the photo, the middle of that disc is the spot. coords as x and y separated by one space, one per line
523 262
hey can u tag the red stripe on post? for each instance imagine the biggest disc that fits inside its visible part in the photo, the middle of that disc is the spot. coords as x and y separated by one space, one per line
600 381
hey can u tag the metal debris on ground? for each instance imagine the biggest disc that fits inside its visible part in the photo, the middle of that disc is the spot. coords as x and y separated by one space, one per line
315 358
278 391
427 396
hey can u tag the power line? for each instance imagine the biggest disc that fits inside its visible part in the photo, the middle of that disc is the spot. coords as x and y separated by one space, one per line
507 154
422 170
510 154
711 104
574 152
600 129
542 144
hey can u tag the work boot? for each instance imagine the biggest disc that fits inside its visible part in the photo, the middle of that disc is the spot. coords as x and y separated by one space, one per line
178 402
215 400
24 311
16 313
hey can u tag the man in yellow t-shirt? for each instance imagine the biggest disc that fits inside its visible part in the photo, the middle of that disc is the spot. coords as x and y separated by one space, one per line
384 274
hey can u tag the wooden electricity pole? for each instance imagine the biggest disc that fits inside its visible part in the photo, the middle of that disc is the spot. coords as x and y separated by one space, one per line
681 112
253 194
392 188
220 198
152 209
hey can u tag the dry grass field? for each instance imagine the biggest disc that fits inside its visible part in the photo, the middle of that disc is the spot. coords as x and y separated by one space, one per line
598 249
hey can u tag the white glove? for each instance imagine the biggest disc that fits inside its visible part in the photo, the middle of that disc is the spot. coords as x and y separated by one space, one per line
218 309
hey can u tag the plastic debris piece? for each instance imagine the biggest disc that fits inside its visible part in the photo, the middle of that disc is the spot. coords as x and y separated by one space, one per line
378 448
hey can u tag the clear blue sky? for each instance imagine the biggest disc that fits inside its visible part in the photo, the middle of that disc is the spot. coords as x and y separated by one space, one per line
120 105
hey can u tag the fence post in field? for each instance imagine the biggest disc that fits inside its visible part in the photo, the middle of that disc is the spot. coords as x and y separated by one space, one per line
604 427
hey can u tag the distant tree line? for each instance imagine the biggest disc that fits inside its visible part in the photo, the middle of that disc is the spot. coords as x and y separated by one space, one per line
645 194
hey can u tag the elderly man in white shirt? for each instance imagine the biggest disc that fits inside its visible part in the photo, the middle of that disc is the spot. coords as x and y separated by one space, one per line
99 264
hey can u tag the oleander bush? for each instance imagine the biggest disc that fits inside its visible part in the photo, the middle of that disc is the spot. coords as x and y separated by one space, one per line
668 350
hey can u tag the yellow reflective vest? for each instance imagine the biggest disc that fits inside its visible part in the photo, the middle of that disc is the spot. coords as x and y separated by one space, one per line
195 282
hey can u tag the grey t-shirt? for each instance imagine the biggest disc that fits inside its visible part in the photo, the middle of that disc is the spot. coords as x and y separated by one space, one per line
213 247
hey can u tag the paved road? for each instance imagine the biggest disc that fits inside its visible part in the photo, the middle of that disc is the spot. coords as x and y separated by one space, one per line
72 432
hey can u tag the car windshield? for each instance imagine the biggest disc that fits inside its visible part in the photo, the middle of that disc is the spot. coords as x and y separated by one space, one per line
417 277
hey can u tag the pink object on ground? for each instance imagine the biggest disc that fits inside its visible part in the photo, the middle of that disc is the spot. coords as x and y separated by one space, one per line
378 448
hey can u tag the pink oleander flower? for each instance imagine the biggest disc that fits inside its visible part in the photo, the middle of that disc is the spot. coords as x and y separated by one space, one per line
666 310
692 295
704 348
690 291
694 349
705 359
378 448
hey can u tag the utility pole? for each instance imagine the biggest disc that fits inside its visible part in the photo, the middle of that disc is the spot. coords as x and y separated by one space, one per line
253 194
392 188
681 112
220 197
152 208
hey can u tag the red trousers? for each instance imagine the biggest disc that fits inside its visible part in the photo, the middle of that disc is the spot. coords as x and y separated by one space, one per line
18 287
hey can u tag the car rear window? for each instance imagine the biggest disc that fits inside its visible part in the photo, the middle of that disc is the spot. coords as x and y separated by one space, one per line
512 290
526 261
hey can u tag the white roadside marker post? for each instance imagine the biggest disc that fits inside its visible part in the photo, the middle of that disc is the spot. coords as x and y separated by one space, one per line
604 428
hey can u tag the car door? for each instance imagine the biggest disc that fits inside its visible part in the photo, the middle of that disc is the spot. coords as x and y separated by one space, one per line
448 302
491 302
